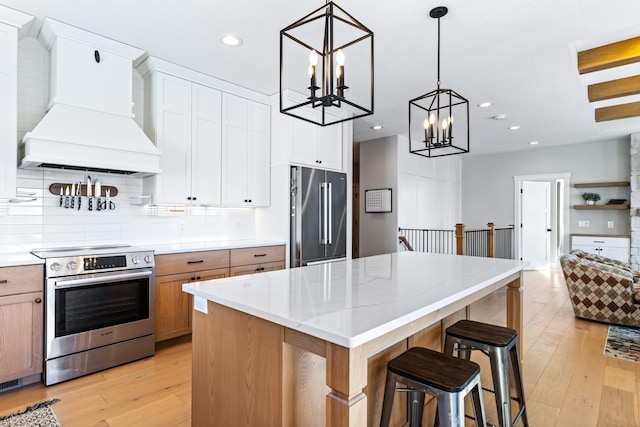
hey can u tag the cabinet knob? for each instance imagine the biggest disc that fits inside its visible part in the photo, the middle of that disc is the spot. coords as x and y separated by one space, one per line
3 281
189 198
195 198
96 56
38 300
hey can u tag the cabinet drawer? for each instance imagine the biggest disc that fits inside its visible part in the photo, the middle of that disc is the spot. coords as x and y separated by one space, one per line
613 242
256 268
191 261
258 255
21 279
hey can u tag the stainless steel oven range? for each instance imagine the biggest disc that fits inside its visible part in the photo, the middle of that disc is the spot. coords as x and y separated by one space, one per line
99 309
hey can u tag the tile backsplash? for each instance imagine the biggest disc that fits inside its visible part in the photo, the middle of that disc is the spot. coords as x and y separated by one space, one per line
36 219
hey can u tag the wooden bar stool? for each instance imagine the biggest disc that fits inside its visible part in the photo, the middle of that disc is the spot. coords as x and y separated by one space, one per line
501 345
447 378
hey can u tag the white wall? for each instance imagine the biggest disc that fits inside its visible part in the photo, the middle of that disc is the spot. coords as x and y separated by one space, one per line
39 221
429 190
488 184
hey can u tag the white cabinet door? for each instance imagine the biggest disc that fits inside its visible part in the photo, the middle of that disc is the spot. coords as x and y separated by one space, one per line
313 145
234 150
172 114
620 254
330 147
245 152
8 110
206 145
258 182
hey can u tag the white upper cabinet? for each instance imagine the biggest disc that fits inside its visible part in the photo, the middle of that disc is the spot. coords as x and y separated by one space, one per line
315 146
184 120
13 25
246 140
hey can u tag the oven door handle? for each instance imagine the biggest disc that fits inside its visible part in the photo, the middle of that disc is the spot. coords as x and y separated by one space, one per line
73 283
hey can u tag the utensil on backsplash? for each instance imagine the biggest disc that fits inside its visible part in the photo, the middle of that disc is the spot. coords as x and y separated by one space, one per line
73 196
61 196
67 191
108 204
89 194
98 189
79 194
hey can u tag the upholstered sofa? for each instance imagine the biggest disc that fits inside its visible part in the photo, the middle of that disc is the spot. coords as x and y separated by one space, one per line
601 289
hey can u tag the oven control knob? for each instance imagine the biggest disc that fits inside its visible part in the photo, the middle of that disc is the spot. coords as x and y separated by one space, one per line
72 265
135 260
55 266
148 259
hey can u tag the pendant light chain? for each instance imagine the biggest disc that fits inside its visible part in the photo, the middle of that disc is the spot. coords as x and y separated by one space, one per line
438 53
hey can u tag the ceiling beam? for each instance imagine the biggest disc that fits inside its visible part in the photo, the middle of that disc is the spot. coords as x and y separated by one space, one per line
615 112
612 55
614 89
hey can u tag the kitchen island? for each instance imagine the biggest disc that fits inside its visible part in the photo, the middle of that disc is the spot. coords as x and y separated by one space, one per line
308 346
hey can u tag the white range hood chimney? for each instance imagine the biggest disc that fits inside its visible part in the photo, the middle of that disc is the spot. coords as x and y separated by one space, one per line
89 124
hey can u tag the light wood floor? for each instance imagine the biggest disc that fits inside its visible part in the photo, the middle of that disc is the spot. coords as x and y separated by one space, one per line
568 380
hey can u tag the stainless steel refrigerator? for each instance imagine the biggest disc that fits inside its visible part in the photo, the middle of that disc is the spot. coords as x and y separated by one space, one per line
318 216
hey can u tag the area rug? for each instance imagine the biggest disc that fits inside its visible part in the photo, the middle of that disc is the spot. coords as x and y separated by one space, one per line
623 342
38 415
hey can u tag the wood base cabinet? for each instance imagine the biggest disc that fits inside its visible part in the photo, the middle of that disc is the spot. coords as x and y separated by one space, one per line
257 260
174 307
21 322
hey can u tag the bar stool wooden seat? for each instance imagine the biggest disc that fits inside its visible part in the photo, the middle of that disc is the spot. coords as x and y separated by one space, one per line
501 345
447 378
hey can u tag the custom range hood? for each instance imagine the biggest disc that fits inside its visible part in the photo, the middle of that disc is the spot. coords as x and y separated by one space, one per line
89 124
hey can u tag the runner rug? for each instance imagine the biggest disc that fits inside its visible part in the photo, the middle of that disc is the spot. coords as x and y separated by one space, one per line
623 342
39 415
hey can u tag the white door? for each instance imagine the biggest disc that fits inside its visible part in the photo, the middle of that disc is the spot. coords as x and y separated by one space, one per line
536 219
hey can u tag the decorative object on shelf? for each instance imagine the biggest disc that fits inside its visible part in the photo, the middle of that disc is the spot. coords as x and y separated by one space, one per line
590 198
431 116
616 201
330 42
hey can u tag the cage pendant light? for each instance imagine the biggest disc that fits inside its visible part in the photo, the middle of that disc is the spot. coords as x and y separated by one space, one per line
439 120
326 67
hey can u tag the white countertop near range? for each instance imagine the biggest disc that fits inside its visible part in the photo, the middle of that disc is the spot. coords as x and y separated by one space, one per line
174 248
16 259
353 301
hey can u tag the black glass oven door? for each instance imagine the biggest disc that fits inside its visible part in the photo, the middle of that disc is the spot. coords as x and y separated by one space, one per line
99 305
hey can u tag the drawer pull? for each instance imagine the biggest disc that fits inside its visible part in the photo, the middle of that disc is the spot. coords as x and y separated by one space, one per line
598 241
195 262
3 281
259 255
260 269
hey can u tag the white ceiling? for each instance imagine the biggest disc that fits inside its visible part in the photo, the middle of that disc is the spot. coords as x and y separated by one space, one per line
518 54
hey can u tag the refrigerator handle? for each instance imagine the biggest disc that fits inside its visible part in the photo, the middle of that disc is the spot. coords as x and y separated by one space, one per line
329 215
323 213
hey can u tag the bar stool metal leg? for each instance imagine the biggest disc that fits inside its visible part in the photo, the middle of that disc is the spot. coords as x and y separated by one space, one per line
501 377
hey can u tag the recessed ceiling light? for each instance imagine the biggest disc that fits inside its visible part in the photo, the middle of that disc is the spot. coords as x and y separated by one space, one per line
499 117
376 127
534 143
515 127
485 104
231 40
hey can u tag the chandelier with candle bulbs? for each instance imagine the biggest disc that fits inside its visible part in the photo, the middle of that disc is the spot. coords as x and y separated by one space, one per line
432 116
326 42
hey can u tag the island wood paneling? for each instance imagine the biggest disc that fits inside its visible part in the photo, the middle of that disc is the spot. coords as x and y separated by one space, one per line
237 369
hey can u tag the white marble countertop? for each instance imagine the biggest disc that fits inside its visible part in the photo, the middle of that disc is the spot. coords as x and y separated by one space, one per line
354 301
173 248
21 258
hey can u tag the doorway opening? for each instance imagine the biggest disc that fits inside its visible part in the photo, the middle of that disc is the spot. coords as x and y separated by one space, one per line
541 212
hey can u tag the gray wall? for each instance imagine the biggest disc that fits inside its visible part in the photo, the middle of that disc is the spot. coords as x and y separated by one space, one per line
379 169
488 184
